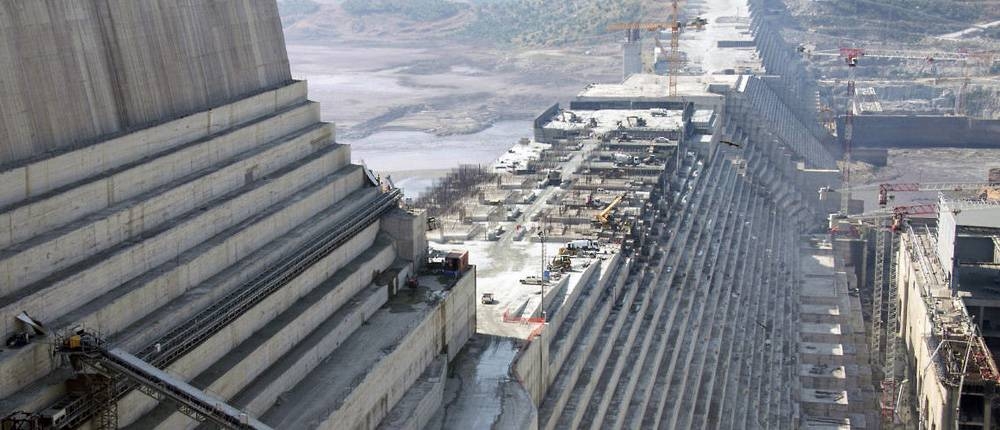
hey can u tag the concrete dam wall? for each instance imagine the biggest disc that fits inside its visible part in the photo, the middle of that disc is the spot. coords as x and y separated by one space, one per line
166 185
73 71
923 131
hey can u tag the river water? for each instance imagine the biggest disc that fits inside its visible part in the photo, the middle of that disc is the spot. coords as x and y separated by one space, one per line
416 159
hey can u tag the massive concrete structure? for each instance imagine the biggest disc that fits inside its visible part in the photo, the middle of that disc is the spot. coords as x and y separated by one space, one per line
923 131
74 72
166 184
717 308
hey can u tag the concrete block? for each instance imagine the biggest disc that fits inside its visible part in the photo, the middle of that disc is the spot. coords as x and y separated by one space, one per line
409 231
74 165
246 363
418 406
389 364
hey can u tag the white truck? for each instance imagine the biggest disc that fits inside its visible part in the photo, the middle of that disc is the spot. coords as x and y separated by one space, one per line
582 244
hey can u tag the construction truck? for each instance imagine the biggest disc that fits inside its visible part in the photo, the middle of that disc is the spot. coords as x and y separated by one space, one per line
698 23
488 299
622 159
575 247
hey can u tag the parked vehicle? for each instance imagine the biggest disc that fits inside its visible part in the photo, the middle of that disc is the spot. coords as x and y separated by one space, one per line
533 280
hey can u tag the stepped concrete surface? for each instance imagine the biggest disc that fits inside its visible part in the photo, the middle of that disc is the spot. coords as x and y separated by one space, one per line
186 203
706 317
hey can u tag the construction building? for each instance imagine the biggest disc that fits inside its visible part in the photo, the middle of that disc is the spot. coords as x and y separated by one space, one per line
947 282
180 225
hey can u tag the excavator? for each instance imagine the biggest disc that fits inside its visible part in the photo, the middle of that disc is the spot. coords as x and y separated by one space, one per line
604 217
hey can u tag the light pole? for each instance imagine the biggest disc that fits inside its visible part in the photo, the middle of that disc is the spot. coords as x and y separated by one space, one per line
899 399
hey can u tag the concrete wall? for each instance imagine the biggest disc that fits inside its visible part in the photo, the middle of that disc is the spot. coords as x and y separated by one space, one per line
923 131
45 255
555 320
253 357
408 230
72 71
947 233
49 301
935 399
632 58
448 327
422 401
225 170
129 303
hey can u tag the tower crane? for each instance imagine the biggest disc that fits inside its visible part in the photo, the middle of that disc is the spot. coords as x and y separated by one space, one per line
632 29
898 54
674 59
851 56
675 26
886 237
983 58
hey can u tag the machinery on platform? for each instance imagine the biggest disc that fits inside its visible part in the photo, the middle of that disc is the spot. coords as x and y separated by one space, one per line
885 189
488 299
603 218
675 26
561 263
102 372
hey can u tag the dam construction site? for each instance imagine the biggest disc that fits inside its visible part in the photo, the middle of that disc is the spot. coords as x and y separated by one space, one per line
710 242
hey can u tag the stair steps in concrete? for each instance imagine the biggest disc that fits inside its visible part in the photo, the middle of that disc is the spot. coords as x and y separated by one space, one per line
42 213
60 247
348 290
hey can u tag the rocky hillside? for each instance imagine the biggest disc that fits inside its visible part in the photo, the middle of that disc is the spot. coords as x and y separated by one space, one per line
528 23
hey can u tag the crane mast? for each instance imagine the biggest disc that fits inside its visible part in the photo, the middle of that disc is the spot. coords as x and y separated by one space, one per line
674 60
851 56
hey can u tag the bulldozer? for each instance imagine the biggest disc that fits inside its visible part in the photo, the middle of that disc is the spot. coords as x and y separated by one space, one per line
561 263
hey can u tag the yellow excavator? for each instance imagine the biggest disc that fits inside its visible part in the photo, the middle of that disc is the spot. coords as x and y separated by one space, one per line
603 217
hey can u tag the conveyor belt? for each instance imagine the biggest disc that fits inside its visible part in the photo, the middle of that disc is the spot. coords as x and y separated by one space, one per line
160 384
193 332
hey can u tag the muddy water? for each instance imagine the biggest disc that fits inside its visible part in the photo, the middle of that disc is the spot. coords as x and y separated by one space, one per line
415 159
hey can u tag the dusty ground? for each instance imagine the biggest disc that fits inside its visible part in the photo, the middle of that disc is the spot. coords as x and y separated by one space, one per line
925 166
